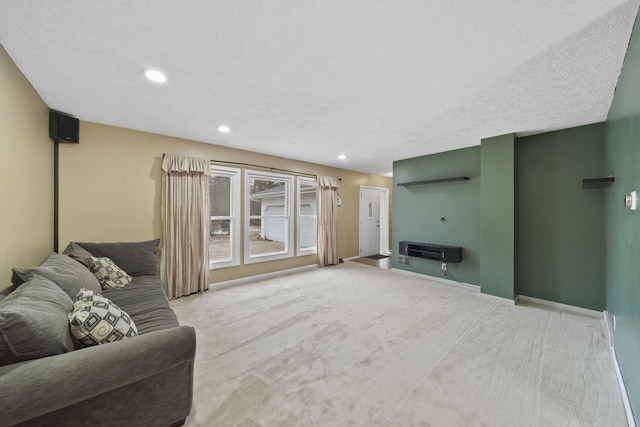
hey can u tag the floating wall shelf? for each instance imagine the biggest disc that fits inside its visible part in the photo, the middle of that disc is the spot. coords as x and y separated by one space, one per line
433 181
597 182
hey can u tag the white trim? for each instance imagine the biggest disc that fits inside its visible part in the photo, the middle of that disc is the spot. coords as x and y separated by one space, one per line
560 306
312 250
350 258
609 328
289 251
234 220
623 390
259 277
469 286
496 298
384 222
474 288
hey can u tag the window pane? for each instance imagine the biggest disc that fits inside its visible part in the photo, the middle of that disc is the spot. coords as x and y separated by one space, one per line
224 206
306 209
220 195
267 236
307 216
308 232
220 240
265 193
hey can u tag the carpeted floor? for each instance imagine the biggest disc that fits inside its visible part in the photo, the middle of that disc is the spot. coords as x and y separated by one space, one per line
353 345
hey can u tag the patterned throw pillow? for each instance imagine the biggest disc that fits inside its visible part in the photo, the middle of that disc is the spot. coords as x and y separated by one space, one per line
96 320
108 273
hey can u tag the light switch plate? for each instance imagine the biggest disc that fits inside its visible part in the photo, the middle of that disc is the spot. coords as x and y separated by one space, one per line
631 201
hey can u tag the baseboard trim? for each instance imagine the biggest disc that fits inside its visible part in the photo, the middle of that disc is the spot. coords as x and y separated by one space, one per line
469 286
496 298
565 307
608 327
623 389
259 277
350 258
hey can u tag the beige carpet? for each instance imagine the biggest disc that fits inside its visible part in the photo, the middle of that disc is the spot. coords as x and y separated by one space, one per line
354 345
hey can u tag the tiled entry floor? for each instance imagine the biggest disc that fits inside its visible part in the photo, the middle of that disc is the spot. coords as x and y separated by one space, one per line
380 263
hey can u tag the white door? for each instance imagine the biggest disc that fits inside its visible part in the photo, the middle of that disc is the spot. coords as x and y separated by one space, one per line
369 221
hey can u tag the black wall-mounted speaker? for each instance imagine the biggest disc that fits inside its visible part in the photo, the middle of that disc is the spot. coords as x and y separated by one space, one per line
63 128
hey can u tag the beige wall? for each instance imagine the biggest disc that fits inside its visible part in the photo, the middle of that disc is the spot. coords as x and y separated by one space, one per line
110 190
110 183
26 168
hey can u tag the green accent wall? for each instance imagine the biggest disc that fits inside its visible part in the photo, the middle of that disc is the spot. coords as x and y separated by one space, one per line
622 158
561 247
417 210
540 233
498 215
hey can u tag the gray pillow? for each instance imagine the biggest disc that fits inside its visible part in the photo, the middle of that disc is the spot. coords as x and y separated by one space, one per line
34 321
67 273
136 258
78 253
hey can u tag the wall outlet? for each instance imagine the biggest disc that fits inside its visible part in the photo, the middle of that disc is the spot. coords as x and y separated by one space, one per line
339 201
631 200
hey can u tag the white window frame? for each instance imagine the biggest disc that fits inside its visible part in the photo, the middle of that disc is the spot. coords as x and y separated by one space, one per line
300 251
234 228
288 216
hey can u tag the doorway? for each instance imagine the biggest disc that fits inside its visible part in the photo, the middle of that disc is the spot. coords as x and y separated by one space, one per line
374 221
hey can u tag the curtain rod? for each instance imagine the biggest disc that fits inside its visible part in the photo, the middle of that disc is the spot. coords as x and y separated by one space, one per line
267 167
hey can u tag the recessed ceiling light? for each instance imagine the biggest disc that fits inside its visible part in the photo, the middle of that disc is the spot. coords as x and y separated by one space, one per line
342 157
224 129
155 76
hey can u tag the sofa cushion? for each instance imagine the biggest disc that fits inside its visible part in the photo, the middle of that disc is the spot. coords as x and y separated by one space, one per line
96 320
78 253
136 258
146 302
108 273
33 321
67 273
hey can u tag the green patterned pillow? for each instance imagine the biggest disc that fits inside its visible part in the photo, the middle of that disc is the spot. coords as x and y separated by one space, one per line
96 320
108 273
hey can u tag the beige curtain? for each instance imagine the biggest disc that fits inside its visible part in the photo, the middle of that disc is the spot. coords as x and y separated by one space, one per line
327 221
184 257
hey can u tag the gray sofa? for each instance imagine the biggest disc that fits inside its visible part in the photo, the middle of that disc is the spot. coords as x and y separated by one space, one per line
48 379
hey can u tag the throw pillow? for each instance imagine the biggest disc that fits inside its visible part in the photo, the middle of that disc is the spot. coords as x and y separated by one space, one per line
136 258
33 321
108 273
62 270
78 253
96 320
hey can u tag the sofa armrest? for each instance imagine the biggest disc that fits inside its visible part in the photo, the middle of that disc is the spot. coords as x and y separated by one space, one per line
36 387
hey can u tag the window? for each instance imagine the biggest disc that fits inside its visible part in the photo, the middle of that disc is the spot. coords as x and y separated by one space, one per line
224 202
307 232
268 224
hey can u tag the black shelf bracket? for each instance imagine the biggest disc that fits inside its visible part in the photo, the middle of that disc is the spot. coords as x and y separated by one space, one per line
598 182
433 181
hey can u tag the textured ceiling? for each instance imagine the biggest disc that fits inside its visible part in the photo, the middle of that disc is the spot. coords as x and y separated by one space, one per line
376 80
